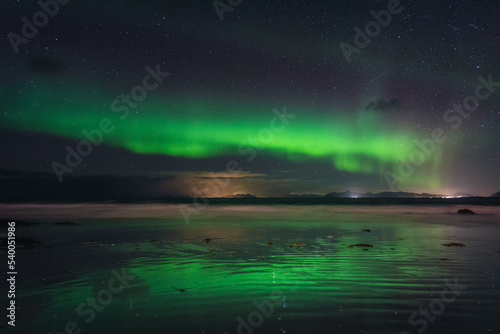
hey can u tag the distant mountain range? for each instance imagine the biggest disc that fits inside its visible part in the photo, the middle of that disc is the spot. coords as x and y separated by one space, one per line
350 194
305 196
385 194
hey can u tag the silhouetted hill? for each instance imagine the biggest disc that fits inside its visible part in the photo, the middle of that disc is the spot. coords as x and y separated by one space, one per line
304 196
344 194
496 194
462 194
241 196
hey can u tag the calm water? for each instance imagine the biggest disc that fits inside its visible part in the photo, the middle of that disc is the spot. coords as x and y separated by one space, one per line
257 269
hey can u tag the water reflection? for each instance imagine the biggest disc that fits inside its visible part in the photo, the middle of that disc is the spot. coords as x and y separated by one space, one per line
214 274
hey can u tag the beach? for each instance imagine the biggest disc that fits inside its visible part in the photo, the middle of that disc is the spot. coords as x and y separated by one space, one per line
133 268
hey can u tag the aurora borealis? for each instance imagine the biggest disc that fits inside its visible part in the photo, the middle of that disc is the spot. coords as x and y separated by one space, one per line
267 87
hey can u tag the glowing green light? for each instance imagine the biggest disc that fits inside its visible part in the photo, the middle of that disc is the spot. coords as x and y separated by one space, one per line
359 142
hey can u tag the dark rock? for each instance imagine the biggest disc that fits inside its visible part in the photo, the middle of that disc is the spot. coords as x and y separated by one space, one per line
269 243
466 212
366 230
361 245
207 240
454 244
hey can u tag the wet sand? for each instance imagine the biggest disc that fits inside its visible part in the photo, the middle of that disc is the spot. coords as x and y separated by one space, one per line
262 269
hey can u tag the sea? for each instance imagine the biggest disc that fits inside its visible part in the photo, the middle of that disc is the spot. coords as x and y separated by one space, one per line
238 267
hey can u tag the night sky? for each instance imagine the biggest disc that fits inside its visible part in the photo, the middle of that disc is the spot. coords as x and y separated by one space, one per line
158 98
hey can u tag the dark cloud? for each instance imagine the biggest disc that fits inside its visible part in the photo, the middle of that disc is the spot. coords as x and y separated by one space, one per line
383 105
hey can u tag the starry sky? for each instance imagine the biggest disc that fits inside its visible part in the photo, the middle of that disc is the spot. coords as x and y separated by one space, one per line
127 100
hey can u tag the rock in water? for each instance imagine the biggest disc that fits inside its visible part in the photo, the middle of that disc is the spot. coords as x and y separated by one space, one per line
361 245
454 244
466 212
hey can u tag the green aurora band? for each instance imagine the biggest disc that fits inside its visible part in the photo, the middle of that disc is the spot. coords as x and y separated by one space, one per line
361 142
